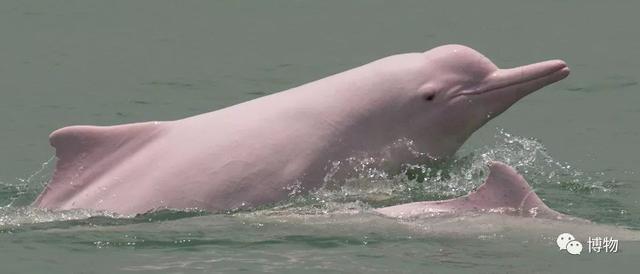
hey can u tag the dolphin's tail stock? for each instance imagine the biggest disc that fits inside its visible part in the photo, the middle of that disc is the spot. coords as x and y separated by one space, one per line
504 191
85 152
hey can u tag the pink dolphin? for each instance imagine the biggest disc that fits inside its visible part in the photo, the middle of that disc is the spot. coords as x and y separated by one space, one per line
252 153
504 191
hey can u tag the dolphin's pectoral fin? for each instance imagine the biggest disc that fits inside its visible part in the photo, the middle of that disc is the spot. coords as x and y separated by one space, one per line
85 152
504 191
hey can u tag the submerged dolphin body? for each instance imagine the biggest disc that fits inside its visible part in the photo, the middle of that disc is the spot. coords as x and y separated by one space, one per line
504 192
253 153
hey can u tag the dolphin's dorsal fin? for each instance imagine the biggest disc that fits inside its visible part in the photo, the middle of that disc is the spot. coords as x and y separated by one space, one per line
80 149
504 191
75 142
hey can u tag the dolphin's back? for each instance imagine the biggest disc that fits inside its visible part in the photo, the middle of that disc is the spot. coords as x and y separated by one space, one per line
84 153
504 191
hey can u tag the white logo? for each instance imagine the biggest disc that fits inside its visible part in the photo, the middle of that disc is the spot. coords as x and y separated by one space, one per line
574 247
566 241
563 240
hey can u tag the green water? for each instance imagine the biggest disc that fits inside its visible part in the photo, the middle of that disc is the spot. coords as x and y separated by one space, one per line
111 62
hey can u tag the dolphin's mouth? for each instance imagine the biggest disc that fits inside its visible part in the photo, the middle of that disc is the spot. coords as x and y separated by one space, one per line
524 79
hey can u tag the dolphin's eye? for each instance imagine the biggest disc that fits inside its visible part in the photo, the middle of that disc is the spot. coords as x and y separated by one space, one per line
430 97
428 92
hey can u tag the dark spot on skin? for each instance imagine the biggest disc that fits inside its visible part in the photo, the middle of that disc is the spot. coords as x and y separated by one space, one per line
430 97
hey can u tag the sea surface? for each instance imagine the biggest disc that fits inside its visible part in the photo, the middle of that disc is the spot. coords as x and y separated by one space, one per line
111 62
